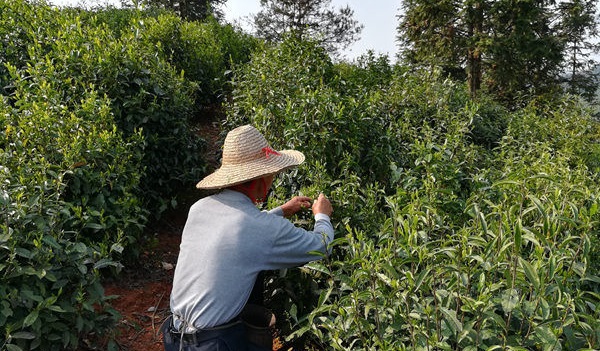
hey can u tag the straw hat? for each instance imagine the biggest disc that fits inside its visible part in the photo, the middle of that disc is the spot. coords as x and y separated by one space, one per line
248 156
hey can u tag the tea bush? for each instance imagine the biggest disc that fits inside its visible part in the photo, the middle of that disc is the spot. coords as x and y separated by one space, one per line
159 72
459 224
69 207
120 20
202 51
146 94
365 73
94 139
18 31
291 91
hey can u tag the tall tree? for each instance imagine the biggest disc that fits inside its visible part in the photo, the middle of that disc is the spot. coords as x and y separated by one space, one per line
314 19
474 19
433 36
505 46
524 52
579 16
191 9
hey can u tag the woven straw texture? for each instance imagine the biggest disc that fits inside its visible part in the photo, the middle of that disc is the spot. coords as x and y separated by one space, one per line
248 156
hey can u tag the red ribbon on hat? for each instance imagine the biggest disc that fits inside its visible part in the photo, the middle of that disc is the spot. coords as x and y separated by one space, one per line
268 151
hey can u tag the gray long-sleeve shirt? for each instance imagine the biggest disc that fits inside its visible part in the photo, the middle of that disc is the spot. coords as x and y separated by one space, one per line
226 242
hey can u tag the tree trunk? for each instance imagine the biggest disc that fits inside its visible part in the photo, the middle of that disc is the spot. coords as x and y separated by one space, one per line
474 66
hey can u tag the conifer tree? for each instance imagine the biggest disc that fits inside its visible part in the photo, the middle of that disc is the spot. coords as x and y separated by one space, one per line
579 16
308 19
508 47
191 9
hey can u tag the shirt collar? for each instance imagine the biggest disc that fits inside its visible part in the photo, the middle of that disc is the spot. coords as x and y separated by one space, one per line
232 195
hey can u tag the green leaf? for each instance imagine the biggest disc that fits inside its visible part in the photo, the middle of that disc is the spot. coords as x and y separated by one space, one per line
23 252
104 262
530 237
5 309
594 209
56 308
531 273
414 315
4 198
579 268
117 248
80 247
31 318
23 335
592 278
505 182
293 311
422 275
538 204
4 237
510 300
324 296
451 320
484 225
518 235
11 347
51 241
546 336
95 226
384 278
319 267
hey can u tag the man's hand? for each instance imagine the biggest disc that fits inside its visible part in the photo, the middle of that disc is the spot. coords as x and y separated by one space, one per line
322 205
296 204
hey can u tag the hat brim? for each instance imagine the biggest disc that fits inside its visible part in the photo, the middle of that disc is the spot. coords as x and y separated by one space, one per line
229 175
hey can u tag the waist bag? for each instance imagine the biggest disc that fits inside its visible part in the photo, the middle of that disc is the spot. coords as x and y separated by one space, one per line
259 322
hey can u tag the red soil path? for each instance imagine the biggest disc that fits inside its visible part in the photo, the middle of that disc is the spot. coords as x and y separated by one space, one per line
142 293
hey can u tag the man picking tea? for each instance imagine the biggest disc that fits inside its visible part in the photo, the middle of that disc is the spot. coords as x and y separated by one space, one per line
227 241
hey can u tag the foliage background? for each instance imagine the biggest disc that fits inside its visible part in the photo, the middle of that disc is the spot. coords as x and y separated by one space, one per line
461 223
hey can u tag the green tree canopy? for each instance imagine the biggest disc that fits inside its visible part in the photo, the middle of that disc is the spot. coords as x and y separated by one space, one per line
505 46
191 9
576 19
314 19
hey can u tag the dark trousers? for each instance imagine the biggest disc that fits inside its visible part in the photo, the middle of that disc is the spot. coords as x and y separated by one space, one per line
226 339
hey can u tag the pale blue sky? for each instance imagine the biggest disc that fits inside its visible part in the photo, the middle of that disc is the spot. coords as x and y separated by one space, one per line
379 18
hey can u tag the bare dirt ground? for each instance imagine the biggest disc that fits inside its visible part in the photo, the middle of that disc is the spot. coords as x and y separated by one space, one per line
142 293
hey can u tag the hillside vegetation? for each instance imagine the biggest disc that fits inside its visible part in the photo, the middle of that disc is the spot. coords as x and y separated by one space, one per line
461 223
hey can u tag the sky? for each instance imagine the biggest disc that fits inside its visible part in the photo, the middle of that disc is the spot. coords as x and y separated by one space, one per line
379 18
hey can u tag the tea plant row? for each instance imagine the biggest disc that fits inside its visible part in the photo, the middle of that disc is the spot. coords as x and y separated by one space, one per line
461 224
96 140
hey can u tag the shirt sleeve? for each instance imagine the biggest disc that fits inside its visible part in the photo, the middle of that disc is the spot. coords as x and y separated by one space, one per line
323 225
278 211
322 222
294 246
